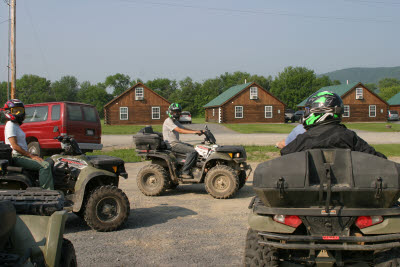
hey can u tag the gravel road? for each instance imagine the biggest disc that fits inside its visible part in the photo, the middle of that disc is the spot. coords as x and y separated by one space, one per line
184 227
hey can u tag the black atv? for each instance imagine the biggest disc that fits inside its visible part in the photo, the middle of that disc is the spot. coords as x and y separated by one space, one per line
90 183
334 207
221 168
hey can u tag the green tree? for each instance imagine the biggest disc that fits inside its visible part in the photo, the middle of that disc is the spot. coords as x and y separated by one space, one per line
33 89
371 86
118 83
294 84
186 95
3 93
388 82
65 89
388 92
163 86
95 95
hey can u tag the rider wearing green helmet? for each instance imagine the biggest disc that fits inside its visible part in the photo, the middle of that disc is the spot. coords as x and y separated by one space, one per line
171 130
322 120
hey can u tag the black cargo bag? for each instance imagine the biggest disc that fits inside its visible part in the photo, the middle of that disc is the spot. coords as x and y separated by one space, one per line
147 139
5 152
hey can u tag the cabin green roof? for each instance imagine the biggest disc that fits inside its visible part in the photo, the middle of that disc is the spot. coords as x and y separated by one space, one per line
228 94
340 90
395 100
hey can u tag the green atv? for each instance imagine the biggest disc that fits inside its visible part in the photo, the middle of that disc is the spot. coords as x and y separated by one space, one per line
32 227
223 169
90 183
333 207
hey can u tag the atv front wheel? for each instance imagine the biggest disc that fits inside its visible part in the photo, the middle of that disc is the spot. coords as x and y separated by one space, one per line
221 182
107 208
257 255
68 257
387 258
152 180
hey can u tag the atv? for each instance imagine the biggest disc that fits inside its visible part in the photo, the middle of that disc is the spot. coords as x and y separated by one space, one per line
90 184
32 227
221 168
335 207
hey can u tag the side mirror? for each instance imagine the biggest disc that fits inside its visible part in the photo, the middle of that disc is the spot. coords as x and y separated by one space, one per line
55 129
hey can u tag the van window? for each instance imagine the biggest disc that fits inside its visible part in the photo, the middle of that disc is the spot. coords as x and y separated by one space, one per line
35 114
74 113
90 114
55 112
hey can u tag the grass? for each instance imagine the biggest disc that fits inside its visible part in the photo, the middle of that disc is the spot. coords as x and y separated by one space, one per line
374 127
261 128
254 153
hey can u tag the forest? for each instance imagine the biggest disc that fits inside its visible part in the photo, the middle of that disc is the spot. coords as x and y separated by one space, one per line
292 86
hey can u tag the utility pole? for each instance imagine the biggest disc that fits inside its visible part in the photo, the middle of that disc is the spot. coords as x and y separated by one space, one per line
12 41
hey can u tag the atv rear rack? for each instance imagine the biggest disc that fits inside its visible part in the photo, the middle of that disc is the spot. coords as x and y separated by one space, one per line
330 242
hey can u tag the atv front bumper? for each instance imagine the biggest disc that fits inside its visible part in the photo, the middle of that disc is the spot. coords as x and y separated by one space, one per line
305 242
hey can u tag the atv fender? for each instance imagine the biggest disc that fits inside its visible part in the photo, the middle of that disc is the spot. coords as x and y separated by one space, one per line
16 178
220 156
170 161
265 223
86 176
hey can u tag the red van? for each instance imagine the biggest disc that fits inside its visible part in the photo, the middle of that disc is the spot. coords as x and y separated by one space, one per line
45 121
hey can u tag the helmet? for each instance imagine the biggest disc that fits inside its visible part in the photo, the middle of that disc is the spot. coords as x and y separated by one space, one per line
14 110
322 108
174 111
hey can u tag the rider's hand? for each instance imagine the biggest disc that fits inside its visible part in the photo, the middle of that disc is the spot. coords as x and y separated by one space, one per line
199 132
37 158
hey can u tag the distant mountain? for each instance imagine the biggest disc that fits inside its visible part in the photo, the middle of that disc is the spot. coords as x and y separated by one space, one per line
364 75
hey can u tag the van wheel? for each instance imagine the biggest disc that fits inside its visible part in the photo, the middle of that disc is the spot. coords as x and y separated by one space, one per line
107 209
68 257
258 255
152 180
387 258
34 148
221 182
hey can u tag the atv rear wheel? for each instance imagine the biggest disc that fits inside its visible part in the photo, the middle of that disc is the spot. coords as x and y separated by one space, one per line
152 180
221 182
257 255
107 208
68 257
387 258
242 179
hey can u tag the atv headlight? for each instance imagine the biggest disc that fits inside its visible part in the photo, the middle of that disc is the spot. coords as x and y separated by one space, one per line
237 155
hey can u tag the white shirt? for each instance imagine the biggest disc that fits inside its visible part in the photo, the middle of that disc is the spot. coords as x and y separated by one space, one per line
12 129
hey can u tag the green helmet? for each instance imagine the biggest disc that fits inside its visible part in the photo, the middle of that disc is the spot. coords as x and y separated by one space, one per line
174 111
322 108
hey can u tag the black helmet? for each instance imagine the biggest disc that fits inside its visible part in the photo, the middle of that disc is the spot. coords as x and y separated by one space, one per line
174 111
322 108
14 110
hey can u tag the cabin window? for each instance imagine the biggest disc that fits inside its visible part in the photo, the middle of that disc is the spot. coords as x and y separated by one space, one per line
155 113
139 93
372 110
268 112
346 111
253 92
123 113
213 112
238 112
359 93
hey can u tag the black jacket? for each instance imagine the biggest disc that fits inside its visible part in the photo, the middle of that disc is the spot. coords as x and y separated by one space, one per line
329 136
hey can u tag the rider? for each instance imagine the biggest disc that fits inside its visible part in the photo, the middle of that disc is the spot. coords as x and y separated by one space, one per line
171 130
14 111
322 117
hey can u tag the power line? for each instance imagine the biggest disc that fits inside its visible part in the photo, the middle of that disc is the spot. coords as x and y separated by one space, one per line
1 22
258 12
374 2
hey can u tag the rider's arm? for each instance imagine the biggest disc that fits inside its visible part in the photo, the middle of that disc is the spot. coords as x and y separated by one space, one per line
186 131
20 150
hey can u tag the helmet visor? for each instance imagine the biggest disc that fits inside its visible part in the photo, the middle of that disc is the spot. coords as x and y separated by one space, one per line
17 110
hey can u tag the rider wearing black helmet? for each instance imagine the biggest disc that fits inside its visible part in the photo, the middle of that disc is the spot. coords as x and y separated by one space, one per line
171 130
14 110
322 117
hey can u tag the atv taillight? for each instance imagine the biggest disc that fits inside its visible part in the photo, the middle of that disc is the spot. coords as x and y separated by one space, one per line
290 220
367 221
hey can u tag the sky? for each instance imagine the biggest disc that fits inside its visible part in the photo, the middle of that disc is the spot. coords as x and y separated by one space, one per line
148 39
